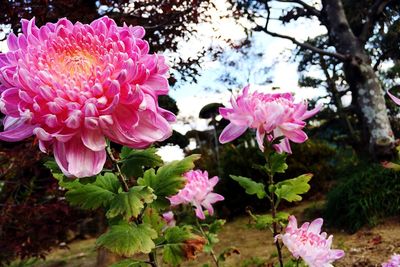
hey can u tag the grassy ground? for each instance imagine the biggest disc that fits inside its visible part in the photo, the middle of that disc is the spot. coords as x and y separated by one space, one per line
368 247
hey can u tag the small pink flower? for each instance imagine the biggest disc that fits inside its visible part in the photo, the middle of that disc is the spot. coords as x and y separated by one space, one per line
272 115
169 218
393 262
74 85
308 243
198 192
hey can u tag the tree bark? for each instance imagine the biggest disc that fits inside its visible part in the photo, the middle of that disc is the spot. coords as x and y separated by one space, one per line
361 77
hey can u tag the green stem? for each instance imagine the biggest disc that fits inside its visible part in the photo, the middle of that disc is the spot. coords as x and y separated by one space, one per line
214 257
274 207
120 176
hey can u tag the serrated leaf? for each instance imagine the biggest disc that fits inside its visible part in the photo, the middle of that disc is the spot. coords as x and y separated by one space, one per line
93 195
291 189
174 249
278 163
282 216
168 179
129 263
130 204
216 226
212 239
127 239
89 196
52 166
251 187
263 221
108 181
134 160
153 218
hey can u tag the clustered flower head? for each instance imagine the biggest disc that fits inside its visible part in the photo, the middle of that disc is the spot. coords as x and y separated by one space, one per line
198 192
272 115
393 262
73 85
309 243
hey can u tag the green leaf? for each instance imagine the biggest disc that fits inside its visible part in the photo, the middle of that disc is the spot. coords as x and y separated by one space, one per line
52 166
282 216
153 218
134 160
168 179
291 189
130 204
174 249
263 221
216 226
212 239
129 263
127 239
278 163
93 195
108 181
252 188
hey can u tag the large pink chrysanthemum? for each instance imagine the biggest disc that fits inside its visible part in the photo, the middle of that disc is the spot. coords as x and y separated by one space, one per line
393 262
73 85
198 192
272 115
310 244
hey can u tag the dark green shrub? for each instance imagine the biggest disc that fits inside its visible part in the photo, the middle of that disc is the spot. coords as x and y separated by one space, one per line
366 194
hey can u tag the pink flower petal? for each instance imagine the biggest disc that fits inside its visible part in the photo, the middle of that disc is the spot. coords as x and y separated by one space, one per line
395 99
19 131
93 139
231 132
76 160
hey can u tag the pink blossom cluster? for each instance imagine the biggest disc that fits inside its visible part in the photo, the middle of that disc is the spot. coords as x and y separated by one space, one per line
272 115
393 262
308 243
74 85
198 192
168 217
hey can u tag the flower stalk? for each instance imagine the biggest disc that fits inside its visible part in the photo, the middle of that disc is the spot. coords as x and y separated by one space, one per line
274 207
213 255
120 176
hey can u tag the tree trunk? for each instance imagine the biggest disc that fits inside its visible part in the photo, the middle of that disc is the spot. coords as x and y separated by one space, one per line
361 77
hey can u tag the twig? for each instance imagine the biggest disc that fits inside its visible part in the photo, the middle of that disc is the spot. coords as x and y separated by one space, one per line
153 259
214 257
374 11
304 45
311 9
120 176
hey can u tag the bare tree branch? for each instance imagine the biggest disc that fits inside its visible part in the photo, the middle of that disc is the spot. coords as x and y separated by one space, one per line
312 10
304 45
373 13
308 46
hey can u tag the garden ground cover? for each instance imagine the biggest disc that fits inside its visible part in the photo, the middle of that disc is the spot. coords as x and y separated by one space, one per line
368 247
